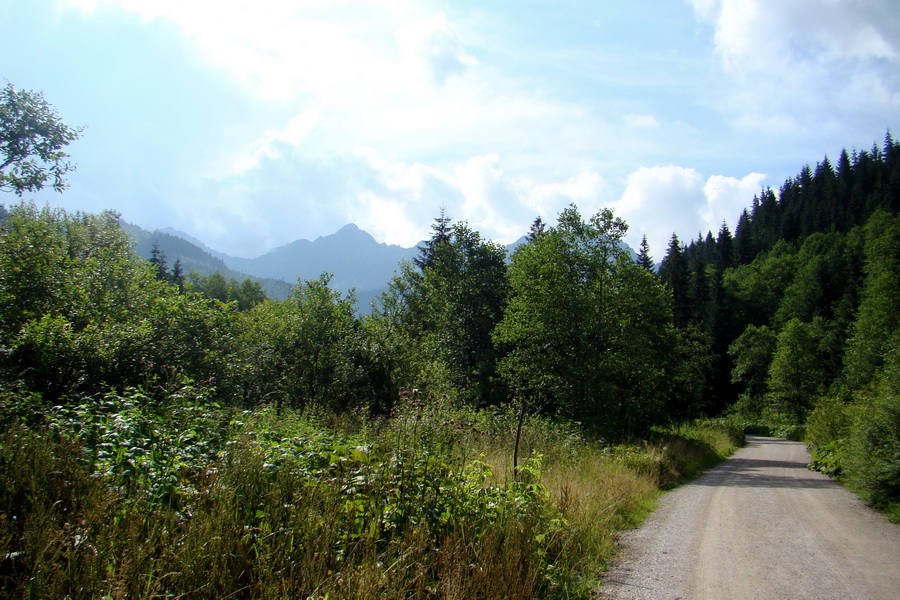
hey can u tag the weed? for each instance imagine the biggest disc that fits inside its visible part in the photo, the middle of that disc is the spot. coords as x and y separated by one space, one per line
167 495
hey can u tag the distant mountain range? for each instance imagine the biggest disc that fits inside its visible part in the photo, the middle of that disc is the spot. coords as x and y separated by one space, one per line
195 256
351 255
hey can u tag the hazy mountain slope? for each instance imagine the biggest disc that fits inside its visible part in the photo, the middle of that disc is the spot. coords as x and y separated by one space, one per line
353 256
194 258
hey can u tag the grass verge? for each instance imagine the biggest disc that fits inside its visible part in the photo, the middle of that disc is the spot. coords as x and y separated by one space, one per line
125 498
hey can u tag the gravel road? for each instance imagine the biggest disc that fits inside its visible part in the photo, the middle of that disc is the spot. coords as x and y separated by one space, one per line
760 525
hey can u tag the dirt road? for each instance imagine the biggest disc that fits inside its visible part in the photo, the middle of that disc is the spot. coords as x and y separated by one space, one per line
759 526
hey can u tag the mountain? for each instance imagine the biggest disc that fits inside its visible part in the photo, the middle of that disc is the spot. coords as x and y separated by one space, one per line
180 234
194 257
353 256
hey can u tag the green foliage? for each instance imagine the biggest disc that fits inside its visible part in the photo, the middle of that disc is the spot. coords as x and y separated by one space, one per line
80 311
674 272
644 259
167 495
308 349
690 367
759 287
32 138
139 444
822 278
587 333
752 354
439 313
871 452
245 294
826 431
878 315
796 374
856 437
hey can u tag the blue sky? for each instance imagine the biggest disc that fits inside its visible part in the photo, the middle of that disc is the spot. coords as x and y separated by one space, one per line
251 123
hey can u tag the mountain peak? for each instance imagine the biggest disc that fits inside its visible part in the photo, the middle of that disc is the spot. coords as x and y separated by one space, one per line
348 234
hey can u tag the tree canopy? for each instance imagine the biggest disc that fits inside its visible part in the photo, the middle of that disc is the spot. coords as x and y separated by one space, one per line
32 138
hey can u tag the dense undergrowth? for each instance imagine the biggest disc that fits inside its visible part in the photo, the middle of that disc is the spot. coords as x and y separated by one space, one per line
854 436
167 495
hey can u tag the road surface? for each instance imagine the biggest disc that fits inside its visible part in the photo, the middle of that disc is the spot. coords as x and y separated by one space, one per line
759 526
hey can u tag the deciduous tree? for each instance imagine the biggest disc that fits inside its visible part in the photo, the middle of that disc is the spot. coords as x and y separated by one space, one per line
32 138
586 328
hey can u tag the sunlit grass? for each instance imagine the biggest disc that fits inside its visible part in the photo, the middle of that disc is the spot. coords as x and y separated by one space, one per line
425 504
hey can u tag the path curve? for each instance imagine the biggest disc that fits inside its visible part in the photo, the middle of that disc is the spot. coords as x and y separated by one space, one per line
759 526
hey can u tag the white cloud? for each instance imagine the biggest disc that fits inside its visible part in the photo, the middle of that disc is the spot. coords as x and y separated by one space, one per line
435 43
726 197
801 65
337 52
397 202
660 201
587 189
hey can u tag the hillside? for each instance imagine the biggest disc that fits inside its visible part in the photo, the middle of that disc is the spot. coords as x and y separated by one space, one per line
193 257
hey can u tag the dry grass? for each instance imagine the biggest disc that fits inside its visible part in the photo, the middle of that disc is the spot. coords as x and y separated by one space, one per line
419 508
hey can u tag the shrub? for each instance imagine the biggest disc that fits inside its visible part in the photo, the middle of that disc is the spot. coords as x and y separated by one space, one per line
872 455
826 430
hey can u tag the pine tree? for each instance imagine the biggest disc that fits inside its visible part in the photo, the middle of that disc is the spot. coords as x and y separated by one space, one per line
537 229
158 258
178 274
441 233
841 215
644 259
674 271
744 247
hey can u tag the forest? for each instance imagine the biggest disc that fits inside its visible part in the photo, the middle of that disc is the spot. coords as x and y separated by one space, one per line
484 433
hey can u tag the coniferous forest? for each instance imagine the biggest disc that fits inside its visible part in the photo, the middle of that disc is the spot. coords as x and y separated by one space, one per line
483 433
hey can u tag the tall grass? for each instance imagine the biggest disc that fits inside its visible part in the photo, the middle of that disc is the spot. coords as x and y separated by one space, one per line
269 504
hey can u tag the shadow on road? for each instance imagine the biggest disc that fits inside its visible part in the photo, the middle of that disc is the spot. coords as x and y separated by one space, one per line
763 473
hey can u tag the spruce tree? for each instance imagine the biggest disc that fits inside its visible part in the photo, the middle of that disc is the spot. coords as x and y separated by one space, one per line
537 229
644 259
158 259
441 233
674 272
178 274
744 247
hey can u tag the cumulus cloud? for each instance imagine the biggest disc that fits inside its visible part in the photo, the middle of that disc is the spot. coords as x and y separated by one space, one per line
835 60
476 191
587 189
726 197
659 201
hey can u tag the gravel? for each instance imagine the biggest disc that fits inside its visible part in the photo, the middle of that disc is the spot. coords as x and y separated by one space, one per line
760 525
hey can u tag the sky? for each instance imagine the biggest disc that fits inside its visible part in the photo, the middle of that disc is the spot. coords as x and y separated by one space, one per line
249 124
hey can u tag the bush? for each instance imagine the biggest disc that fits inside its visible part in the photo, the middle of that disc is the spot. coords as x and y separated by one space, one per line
872 455
826 431
167 495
